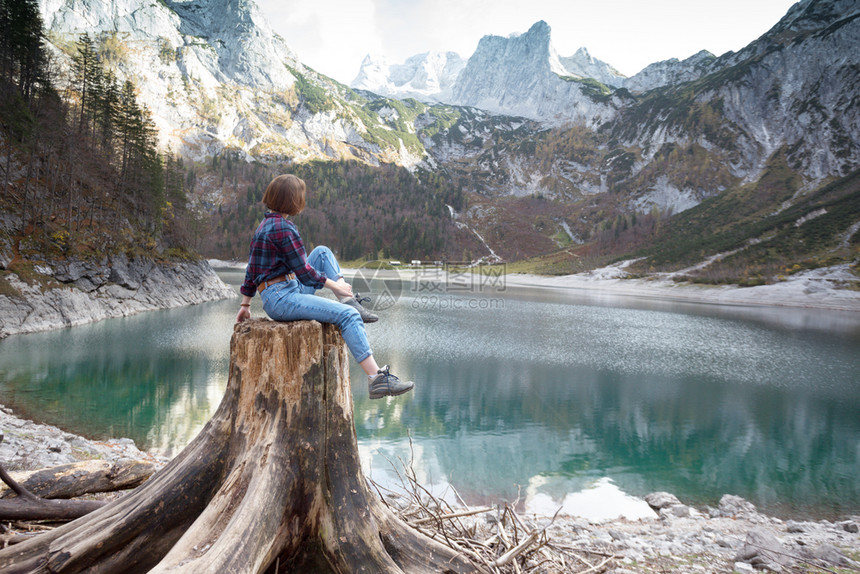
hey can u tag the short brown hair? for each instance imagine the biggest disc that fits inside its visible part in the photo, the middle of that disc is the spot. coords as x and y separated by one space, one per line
285 194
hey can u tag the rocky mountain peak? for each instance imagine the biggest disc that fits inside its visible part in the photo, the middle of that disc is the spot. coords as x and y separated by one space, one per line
540 33
670 72
584 65
523 75
532 49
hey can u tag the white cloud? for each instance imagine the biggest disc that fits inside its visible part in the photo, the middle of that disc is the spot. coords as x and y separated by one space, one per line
333 36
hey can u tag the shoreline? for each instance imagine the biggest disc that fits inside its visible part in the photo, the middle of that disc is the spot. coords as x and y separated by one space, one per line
669 536
666 535
835 288
832 288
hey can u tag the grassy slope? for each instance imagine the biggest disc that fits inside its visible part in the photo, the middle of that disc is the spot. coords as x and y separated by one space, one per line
766 238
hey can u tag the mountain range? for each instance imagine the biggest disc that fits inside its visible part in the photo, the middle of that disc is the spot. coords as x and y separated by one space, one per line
555 155
216 77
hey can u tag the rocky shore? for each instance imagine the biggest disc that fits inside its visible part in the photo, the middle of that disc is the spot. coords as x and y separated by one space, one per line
73 292
27 445
836 287
734 537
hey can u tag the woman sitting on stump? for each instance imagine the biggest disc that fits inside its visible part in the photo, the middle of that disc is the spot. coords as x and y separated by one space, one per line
286 279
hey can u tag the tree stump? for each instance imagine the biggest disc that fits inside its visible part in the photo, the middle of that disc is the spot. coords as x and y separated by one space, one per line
272 484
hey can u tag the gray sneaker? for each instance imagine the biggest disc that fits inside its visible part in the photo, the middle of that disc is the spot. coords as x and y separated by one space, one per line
356 302
384 384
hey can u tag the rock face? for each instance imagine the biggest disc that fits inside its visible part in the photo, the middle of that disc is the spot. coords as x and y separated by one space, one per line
794 89
215 41
214 75
524 76
670 72
74 292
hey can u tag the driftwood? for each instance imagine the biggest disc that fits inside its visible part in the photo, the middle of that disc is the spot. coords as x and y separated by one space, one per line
271 484
27 506
80 478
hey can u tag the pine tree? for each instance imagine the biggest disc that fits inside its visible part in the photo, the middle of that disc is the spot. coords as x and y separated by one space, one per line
23 59
86 72
106 109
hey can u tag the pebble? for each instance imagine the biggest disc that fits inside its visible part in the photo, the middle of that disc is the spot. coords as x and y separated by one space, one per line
729 539
30 446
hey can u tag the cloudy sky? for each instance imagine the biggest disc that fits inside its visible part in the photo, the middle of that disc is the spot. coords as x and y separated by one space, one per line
334 36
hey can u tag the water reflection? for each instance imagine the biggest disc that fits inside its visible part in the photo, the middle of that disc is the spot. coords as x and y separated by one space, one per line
154 377
542 395
692 436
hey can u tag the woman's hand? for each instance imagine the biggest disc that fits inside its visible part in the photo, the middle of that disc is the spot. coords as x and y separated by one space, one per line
244 313
244 309
340 287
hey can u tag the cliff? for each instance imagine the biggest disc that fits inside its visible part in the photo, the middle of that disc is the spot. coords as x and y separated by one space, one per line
524 76
39 296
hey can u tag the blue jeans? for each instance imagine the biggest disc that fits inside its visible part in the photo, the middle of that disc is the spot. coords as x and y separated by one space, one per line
292 301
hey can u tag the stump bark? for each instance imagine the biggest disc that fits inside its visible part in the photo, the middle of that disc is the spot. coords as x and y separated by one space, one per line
273 483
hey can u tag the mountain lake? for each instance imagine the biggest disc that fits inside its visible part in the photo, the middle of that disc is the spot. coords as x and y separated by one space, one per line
532 394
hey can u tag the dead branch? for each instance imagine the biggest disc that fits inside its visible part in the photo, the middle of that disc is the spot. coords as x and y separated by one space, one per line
27 506
450 516
516 550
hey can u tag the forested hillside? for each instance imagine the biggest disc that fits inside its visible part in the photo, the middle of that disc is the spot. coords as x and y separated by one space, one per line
82 174
361 211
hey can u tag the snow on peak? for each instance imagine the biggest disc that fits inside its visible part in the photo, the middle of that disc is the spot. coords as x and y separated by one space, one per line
428 76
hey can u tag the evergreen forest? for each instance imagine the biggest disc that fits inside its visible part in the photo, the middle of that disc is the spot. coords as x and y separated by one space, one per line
82 172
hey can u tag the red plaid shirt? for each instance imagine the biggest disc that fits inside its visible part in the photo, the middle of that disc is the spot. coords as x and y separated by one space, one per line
276 250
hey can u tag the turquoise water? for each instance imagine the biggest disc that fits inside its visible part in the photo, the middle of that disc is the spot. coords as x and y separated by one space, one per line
530 392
